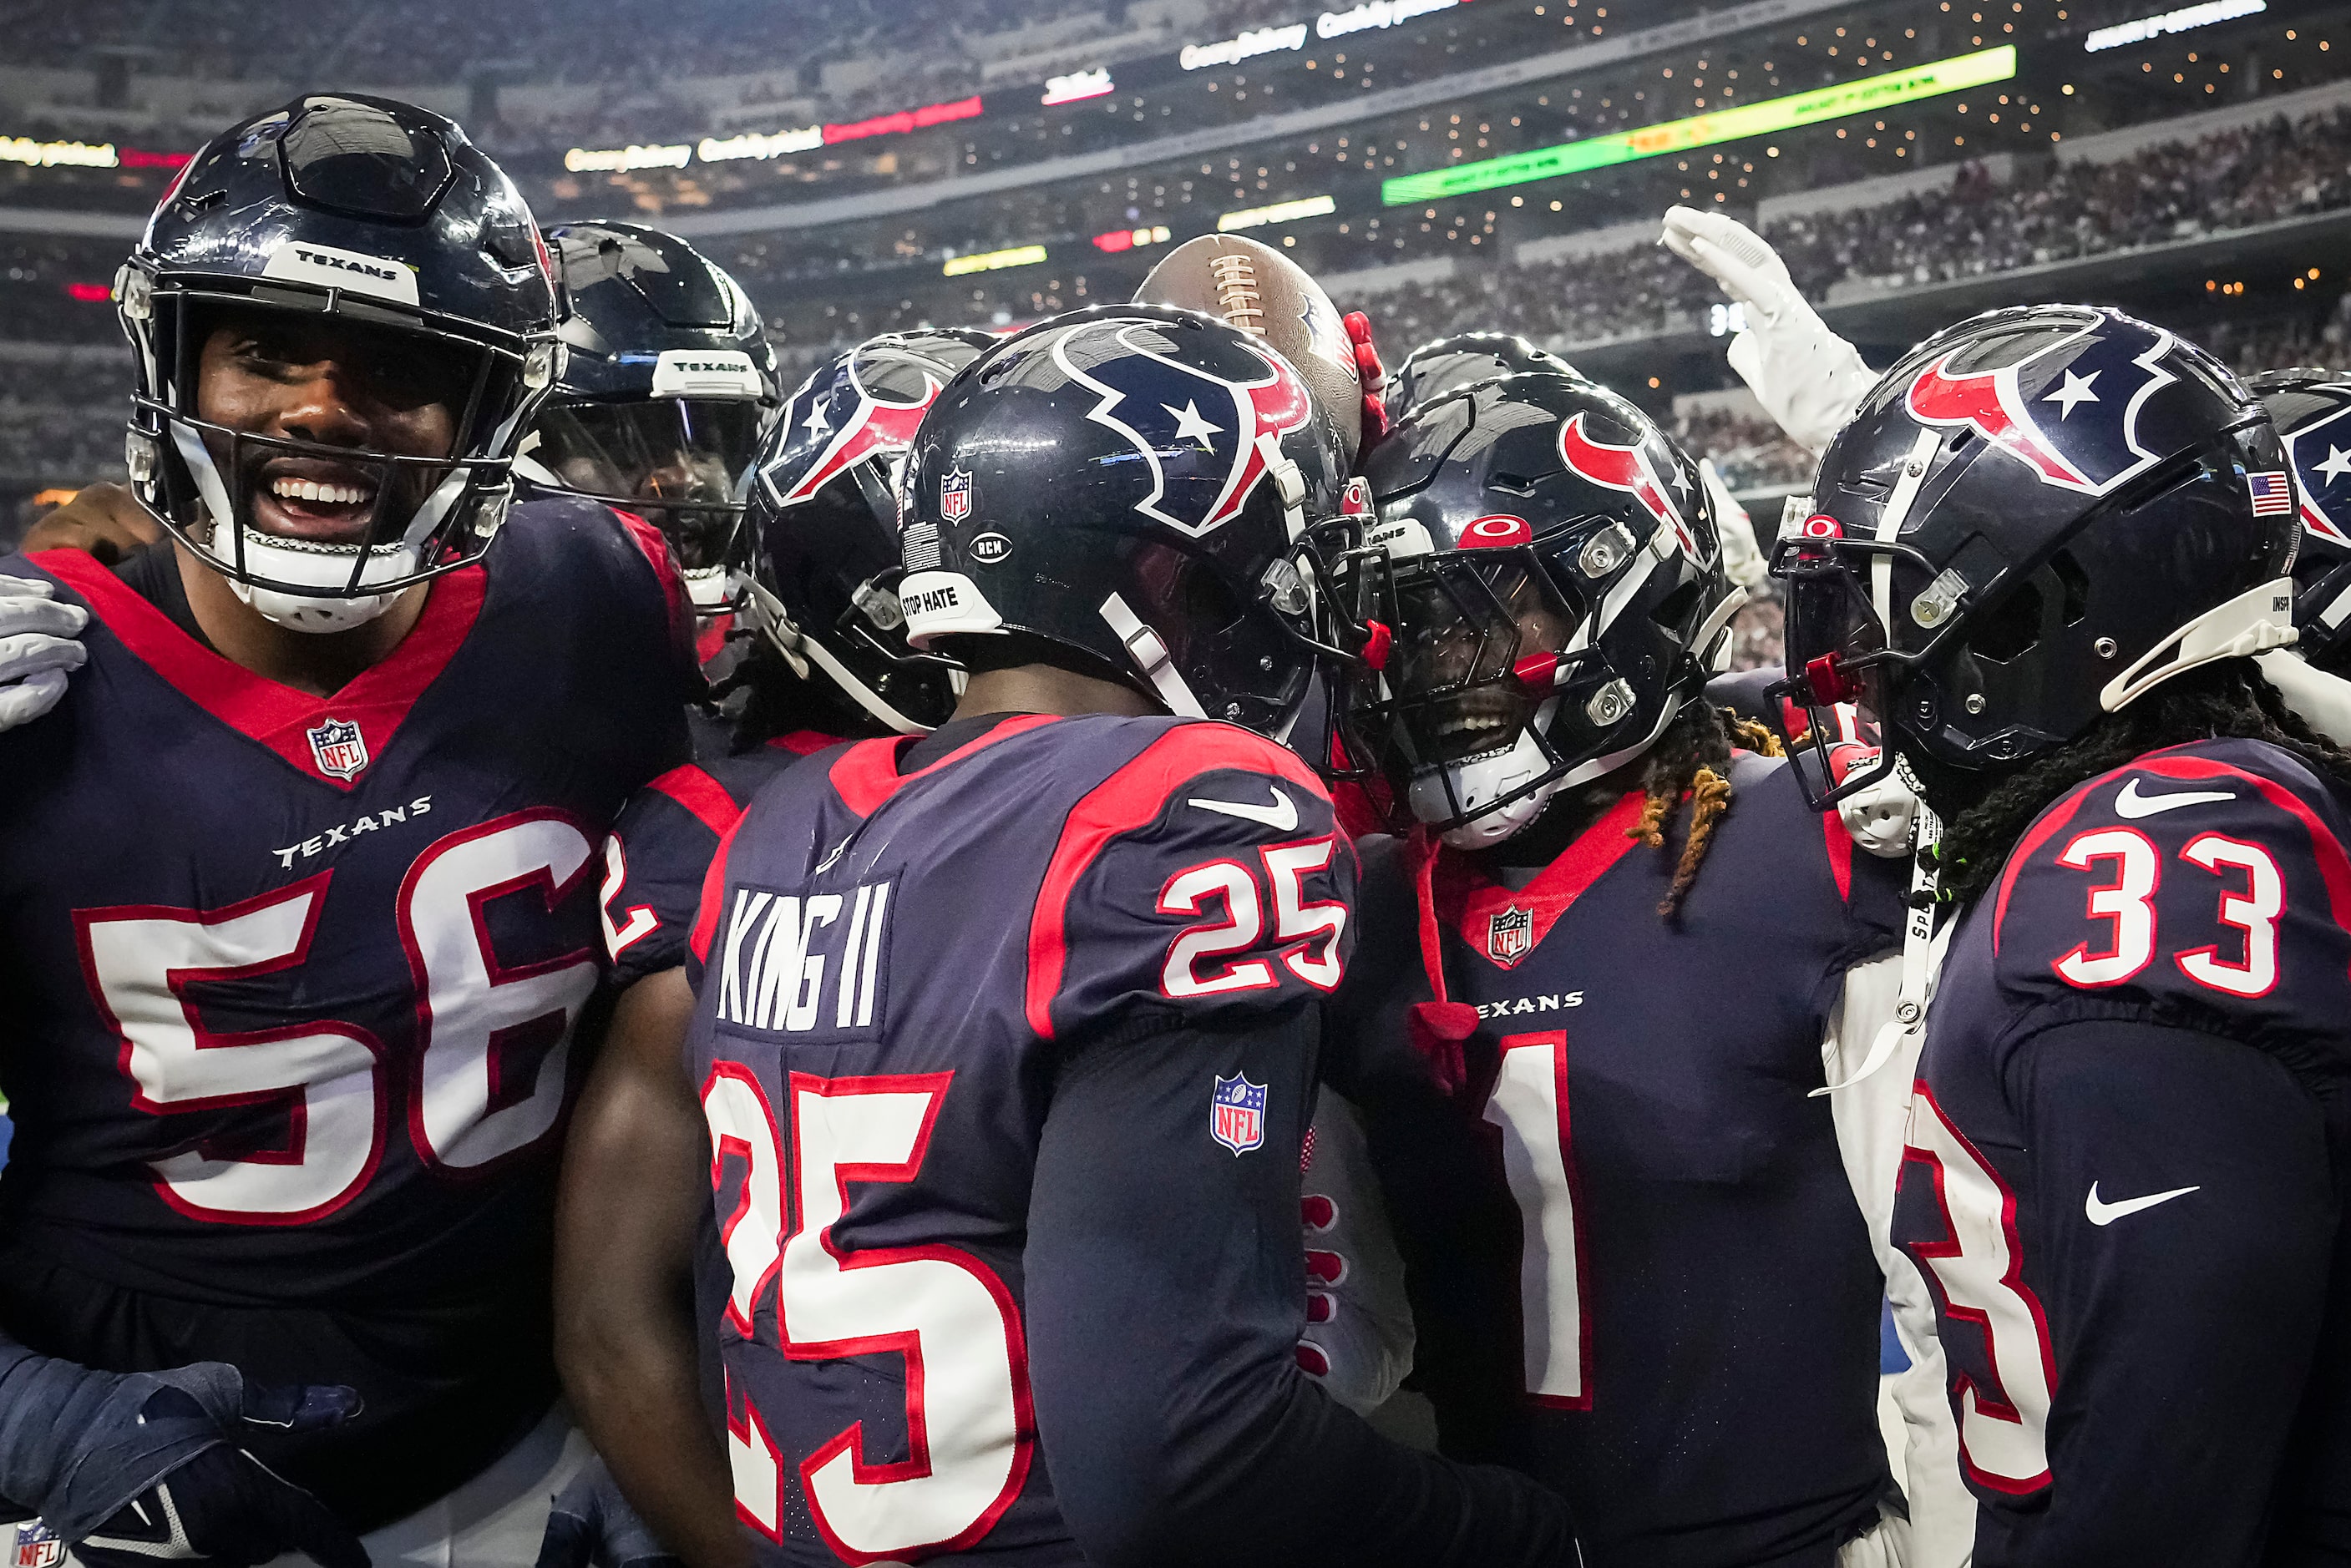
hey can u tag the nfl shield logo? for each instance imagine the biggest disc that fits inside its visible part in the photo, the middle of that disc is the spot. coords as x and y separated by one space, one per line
1509 935
36 1547
955 496
1237 1113
338 748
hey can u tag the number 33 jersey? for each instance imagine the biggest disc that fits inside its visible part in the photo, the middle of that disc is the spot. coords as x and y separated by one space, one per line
894 970
2126 1164
291 985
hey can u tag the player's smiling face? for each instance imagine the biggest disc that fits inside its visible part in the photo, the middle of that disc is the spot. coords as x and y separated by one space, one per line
1441 646
336 384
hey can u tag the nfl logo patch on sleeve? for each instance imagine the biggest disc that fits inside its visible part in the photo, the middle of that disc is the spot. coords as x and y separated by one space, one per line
36 1546
1237 1113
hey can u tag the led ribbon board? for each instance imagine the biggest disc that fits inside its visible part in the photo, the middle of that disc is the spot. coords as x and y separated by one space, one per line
994 260
1833 102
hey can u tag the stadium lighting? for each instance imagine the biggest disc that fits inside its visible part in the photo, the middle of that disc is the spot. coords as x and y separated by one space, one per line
1248 46
1375 14
904 121
994 260
1833 102
1119 240
49 154
1077 87
754 144
2185 19
622 160
1279 213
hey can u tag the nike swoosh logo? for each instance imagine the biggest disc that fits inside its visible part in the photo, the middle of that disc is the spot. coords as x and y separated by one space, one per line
2108 1213
2133 804
1282 815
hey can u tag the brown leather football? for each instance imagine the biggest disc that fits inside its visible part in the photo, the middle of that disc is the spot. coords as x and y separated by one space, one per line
1265 293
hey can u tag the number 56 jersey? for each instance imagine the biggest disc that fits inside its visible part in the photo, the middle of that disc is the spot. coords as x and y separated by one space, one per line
290 985
893 969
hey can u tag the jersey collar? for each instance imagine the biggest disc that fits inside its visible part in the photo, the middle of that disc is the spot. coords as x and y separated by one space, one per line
305 731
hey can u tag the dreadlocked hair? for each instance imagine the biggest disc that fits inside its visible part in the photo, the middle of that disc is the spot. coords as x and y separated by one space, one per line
1692 760
2227 700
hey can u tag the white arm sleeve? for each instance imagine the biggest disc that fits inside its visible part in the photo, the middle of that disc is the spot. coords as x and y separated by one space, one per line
1366 1337
1870 1117
2320 701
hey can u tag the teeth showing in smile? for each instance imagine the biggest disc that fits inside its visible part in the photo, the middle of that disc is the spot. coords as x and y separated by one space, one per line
313 490
1471 726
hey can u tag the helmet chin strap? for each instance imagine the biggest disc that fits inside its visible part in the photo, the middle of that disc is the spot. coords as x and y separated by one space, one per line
263 555
1922 945
1150 658
799 650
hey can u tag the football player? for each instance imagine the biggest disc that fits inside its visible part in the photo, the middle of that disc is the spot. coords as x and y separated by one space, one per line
2047 547
1605 988
1022 1016
300 915
667 388
831 662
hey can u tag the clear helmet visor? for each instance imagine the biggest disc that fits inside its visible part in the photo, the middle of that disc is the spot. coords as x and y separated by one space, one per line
679 461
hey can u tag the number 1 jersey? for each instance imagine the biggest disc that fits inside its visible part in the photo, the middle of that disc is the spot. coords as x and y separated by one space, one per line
292 983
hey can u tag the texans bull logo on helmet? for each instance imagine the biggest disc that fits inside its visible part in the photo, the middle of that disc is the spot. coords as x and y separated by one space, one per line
2078 427
2319 452
1204 439
871 426
1628 469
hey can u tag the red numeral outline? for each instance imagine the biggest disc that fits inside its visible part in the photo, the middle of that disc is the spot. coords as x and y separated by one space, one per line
2128 909
1994 1403
2261 903
1179 975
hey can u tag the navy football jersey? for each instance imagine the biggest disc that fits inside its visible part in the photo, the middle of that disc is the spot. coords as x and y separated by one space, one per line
904 983
2127 1158
292 980
1637 1267
662 844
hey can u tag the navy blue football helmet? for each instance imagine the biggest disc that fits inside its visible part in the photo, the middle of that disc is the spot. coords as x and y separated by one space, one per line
823 525
1137 493
2312 410
1465 359
668 386
1547 566
2034 518
381 222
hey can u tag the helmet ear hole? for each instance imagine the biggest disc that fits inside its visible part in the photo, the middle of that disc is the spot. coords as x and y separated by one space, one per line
1676 608
2076 584
2012 628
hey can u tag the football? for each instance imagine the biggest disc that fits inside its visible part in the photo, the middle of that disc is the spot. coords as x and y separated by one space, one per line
1255 287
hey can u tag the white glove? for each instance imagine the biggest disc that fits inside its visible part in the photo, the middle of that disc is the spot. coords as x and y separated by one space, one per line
2319 699
36 647
1805 376
1742 558
1878 816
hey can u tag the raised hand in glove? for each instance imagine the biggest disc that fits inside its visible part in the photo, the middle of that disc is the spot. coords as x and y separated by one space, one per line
1805 376
37 648
132 1468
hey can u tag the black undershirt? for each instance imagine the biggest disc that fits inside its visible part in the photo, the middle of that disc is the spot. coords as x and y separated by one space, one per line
153 573
947 739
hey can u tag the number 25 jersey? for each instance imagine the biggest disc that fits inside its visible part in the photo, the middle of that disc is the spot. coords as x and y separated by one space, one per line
894 970
291 983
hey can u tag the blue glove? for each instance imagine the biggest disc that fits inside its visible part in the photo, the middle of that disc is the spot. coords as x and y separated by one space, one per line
592 1526
130 1468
